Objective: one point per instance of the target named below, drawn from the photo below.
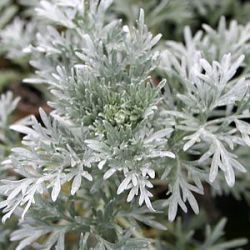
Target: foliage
(85, 175)
(182, 236)
(8, 139)
(214, 92)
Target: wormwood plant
(17, 31)
(84, 176)
(8, 140)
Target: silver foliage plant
(89, 167)
(19, 33)
(208, 78)
(7, 140)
